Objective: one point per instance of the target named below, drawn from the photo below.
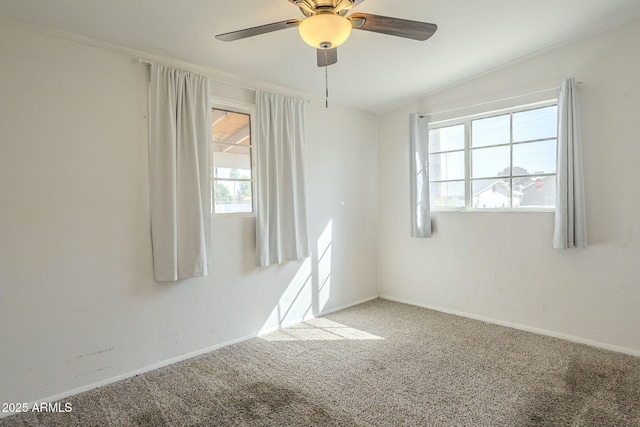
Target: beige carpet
(377, 364)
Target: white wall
(78, 302)
(500, 266)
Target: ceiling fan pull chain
(326, 87)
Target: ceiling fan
(325, 26)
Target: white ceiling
(373, 72)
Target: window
(232, 152)
(501, 161)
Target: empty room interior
(319, 212)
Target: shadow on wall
(310, 289)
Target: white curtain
(570, 219)
(180, 177)
(281, 217)
(419, 169)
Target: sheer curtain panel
(570, 229)
(180, 177)
(281, 217)
(419, 169)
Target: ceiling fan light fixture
(325, 30)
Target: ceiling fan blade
(393, 26)
(254, 31)
(327, 57)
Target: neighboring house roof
(499, 182)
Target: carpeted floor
(377, 364)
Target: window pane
(446, 139)
(490, 193)
(490, 131)
(534, 157)
(447, 194)
(494, 161)
(537, 191)
(228, 164)
(446, 166)
(231, 161)
(535, 124)
(230, 128)
(232, 196)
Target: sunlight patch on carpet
(319, 329)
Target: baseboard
(521, 327)
(344, 307)
(182, 357)
(148, 368)
(313, 316)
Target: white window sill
(232, 215)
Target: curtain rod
(493, 101)
(146, 61)
(222, 82)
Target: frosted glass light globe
(325, 31)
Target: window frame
(468, 149)
(240, 108)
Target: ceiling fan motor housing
(312, 7)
